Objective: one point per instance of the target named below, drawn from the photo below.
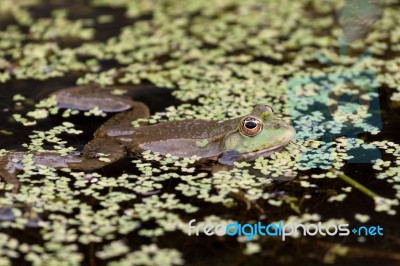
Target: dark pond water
(204, 250)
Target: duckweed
(219, 58)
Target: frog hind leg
(98, 153)
(13, 163)
(88, 97)
(109, 143)
(9, 169)
(121, 124)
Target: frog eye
(251, 126)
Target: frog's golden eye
(251, 126)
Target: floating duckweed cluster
(220, 58)
(60, 28)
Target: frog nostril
(277, 126)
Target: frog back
(184, 138)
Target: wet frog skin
(239, 139)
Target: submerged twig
(355, 184)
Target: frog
(244, 138)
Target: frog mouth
(249, 156)
(270, 150)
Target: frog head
(258, 134)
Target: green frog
(244, 138)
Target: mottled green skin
(117, 138)
(181, 138)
